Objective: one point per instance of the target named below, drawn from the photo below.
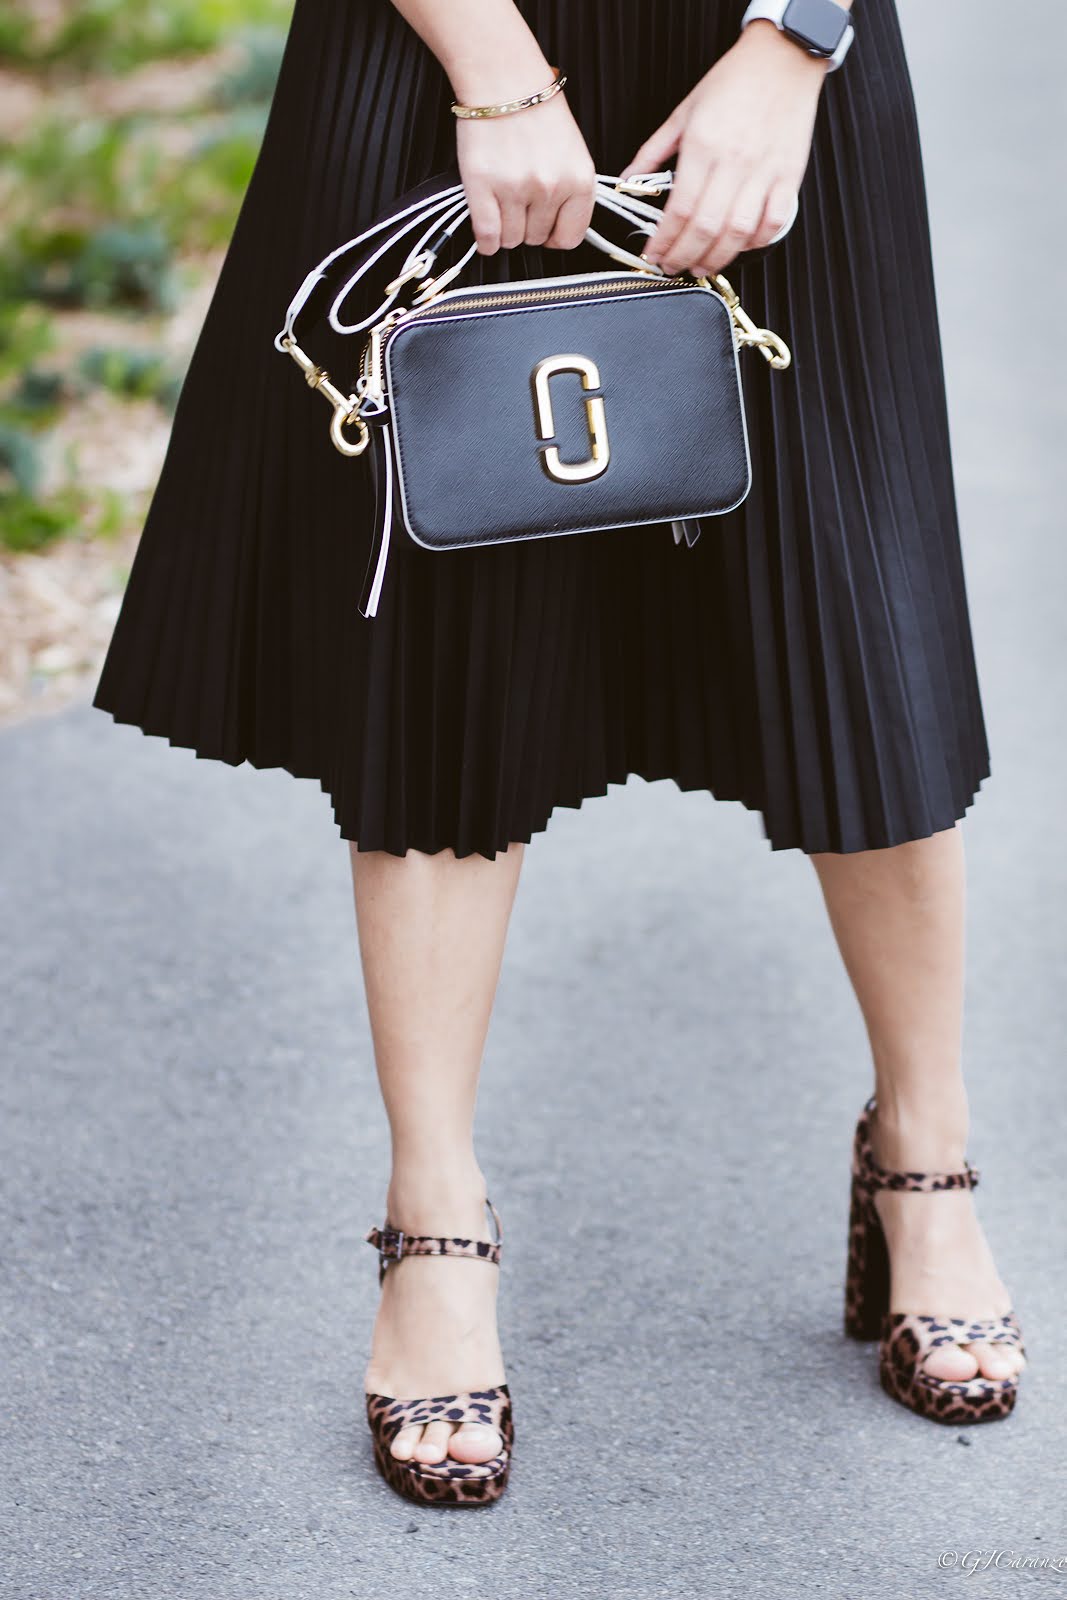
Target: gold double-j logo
(595, 418)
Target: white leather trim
(387, 529)
(449, 206)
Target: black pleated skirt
(810, 655)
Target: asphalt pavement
(192, 1144)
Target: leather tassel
(687, 528)
(381, 470)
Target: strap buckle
(415, 267)
(642, 184)
(390, 1245)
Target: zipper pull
(372, 354)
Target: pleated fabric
(810, 656)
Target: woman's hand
(742, 137)
(528, 176)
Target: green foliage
(37, 396)
(60, 166)
(113, 266)
(106, 213)
(20, 465)
(78, 204)
(252, 81)
(26, 334)
(27, 523)
(200, 206)
(110, 515)
(115, 35)
(157, 198)
(136, 374)
(15, 35)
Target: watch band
(775, 10)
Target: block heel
(867, 1274)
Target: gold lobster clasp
(772, 348)
(345, 407)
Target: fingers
(710, 220)
(512, 218)
(527, 182)
(689, 179)
(737, 209)
(703, 227)
(538, 213)
(558, 214)
(542, 207)
(777, 213)
(658, 147)
(485, 216)
(740, 216)
(572, 219)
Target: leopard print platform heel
(907, 1338)
(447, 1482)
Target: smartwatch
(821, 27)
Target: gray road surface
(193, 1147)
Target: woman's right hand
(528, 176)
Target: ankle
(438, 1200)
(925, 1130)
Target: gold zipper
(346, 407)
(372, 356)
(639, 280)
(374, 349)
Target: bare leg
(898, 917)
(431, 934)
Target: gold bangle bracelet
(507, 106)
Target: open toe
(996, 1360)
(474, 1443)
(404, 1445)
(460, 1444)
(944, 1368)
(432, 1448)
(952, 1362)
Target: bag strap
(435, 216)
(434, 213)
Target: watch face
(818, 24)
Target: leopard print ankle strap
(392, 1243)
(871, 1176)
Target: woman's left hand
(742, 137)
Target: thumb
(657, 148)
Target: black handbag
(534, 408)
